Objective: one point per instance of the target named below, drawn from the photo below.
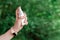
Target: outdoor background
(43, 17)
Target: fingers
(21, 17)
(25, 21)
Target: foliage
(43, 17)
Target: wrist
(17, 28)
(13, 32)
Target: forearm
(7, 36)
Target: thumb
(17, 14)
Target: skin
(17, 26)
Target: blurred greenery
(43, 17)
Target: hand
(18, 24)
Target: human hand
(18, 24)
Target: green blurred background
(43, 17)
